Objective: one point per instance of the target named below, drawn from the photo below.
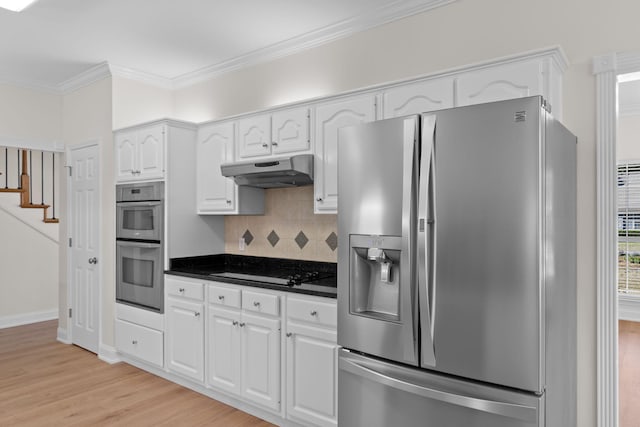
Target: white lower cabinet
(185, 338)
(311, 360)
(244, 346)
(139, 341)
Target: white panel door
(418, 98)
(85, 249)
(291, 131)
(185, 338)
(224, 355)
(261, 360)
(254, 136)
(501, 82)
(151, 152)
(329, 119)
(312, 376)
(126, 156)
(215, 193)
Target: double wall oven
(140, 245)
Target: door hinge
(70, 242)
(70, 312)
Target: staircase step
(33, 206)
(11, 190)
(51, 220)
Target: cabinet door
(254, 136)
(418, 98)
(290, 131)
(151, 152)
(215, 193)
(185, 338)
(312, 377)
(498, 83)
(329, 119)
(261, 360)
(125, 156)
(223, 360)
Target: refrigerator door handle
(426, 240)
(408, 212)
(528, 414)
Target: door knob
(93, 260)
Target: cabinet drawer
(182, 288)
(261, 303)
(222, 295)
(315, 312)
(140, 342)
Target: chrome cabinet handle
(93, 260)
(234, 323)
(228, 202)
(275, 144)
(241, 324)
(134, 342)
(265, 145)
(318, 199)
(221, 297)
(197, 314)
(289, 334)
(181, 290)
(256, 303)
(314, 313)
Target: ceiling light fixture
(15, 5)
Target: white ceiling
(176, 41)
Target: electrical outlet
(241, 244)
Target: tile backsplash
(288, 228)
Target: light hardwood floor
(629, 388)
(46, 383)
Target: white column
(604, 67)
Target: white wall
(87, 116)
(135, 102)
(462, 33)
(31, 116)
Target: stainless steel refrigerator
(457, 269)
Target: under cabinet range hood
(292, 171)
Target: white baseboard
(63, 337)
(27, 318)
(629, 308)
(108, 354)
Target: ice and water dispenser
(375, 272)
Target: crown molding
(92, 75)
(383, 15)
(141, 76)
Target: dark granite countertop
(220, 267)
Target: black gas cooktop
(294, 275)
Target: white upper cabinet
(140, 153)
(285, 131)
(254, 136)
(291, 131)
(216, 194)
(506, 81)
(329, 119)
(418, 98)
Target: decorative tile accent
(332, 241)
(248, 237)
(301, 239)
(273, 238)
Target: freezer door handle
(426, 240)
(528, 414)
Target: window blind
(629, 228)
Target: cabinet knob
(221, 297)
(197, 314)
(181, 290)
(275, 144)
(318, 199)
(265, 145)
(289, 334)
(256, 303)
(314, 313)
(134, 342)
(241, 324)
(234, 323)
(228, 202)
(93, 260)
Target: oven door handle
(130, 244)
(147, 203)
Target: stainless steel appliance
(139, 245)
(291, 171)
(456, 269)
